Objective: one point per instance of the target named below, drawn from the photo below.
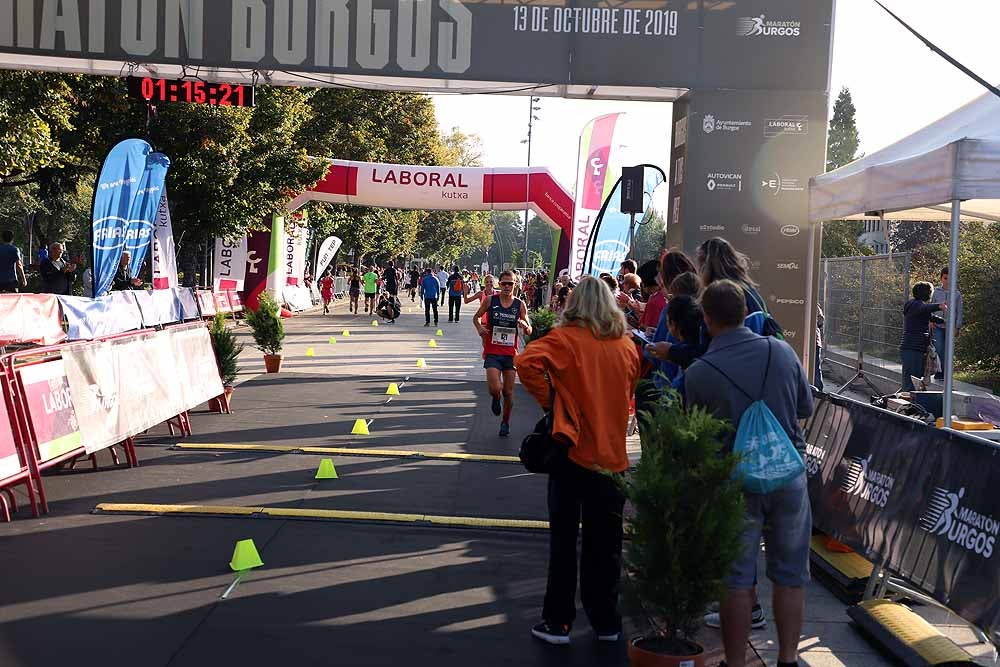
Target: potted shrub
(227, 352)
(542, 321)
(268, 331)
(686, 527)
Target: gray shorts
(784, 518)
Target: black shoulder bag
(540, 452)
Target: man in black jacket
(58, 275)
(124, 280)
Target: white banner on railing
(121, 388)
(108, 315)
(164, 252)
(297, 297)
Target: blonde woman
(592, 367)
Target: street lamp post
(531, 124)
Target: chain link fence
(862, 300)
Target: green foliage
(688, 516)
(265, 322)
(840, 239)
(542, 321)
(651, 238)
(227, 349)
(978, 345)
(843, 140)
(34, 109)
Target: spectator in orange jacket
(593, 369)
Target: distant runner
(355, 291)
(413, 283)
(371, 289)
(504, 315)
(326, 290)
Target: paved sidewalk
(144, 588)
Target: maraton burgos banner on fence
(598, 169)
(164, 252)
(114, 196)
(918, 498)
(142, 214)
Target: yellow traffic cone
(326, 470)
(421, 363)
(374, 323)
(393, 389)
(432, 343)
(310, 352)
(346, 333)
(332, 340)
(439, 333)
(245, 556)
(360, 427)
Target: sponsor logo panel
(948, 517)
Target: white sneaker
(757, 619)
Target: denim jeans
(913, 365)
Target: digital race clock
(190, 91)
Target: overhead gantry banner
(650, 49)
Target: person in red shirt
(326, 290)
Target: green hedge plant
(265, 322)
(227, 349)
(687, 521)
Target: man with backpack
(456, 291)
(744, 375)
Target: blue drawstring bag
(768, 459)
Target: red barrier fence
(67, 402)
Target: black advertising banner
(743, 176)
(915, 497)
(742, 44)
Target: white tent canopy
(956, 157)
(952, 165)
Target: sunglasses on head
(506, 283)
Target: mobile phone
(640, 337)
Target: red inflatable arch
(449, 189)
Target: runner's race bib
(505, 336)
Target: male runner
(371, 289)
(505, 314)
(414, 281)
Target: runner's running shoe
(504, 429)
(495, 406)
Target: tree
(909, 236)
(978, 346)
(35, 109)
(651, 238)
(843, 140)
(447, 235)
(840, 239)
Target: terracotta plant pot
(272, 363)
(656, 652)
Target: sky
(898, 86)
